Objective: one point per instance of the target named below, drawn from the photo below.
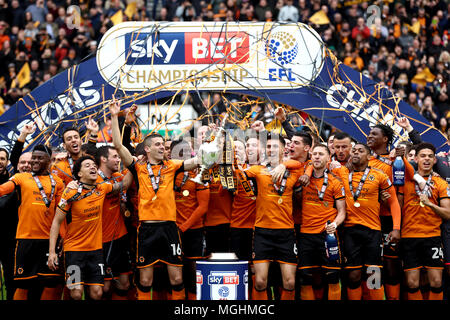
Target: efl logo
(186, 48)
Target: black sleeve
(415, 137)
(16, 152)
(288, 128)
(132, 169)
(126, 140)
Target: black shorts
(31, 260)
(159, 241)
(445, 235)
(274, 245)
(217, 238)
(192, 241)
(421, 252)
(390, 250)
(312, 253)
(117, 258)
(84, 267)
(241, 242)
(362, 247)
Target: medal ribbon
(155, 181)
(360, 185)
(382, 159)
(185, 178)
(47, 201)
(280, 190)
(78, 196)
(321, 193)
(426, 190)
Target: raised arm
(16, 151)
(124, 153)
(7, 188)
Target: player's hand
(280, 114)
(330, 228)
(92, 126)
(28, 128)
(398, 151)
(52, 261)
(304, 180)
(394, 236)
(131, 116)
(404, 123)
(258, 126)
(114, 107)
(334, 165)
(277, 173)
(384, 196)
(425, 200)
(72, 185)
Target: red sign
(216, 47)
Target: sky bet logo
(186, 48)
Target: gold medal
(422, 204)
(154, 198)
(185, 193)
(127, 213)
(253, 198)
(280, 201)
(357, 204)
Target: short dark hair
(103, 151)
(5, 151)
(89, 149)
(306, 137)
(152, 136)
(69, 129)
(276, 136)
(364, 145)
(342, 136)
(387, 132)
(43, 148)
(77, 166)
(425, 145)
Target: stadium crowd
(131, 220)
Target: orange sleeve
(409, 170)
(293, 164)
(395, 209)
(199, 212)
(309, 169)
(7, 188)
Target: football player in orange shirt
(83, 208)
(362, 227)
(114, 231)
(323, 199)
(423, 211)
(192, 203)
(274, 235)
(158, 236)
(379, 138)
(39, 191)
